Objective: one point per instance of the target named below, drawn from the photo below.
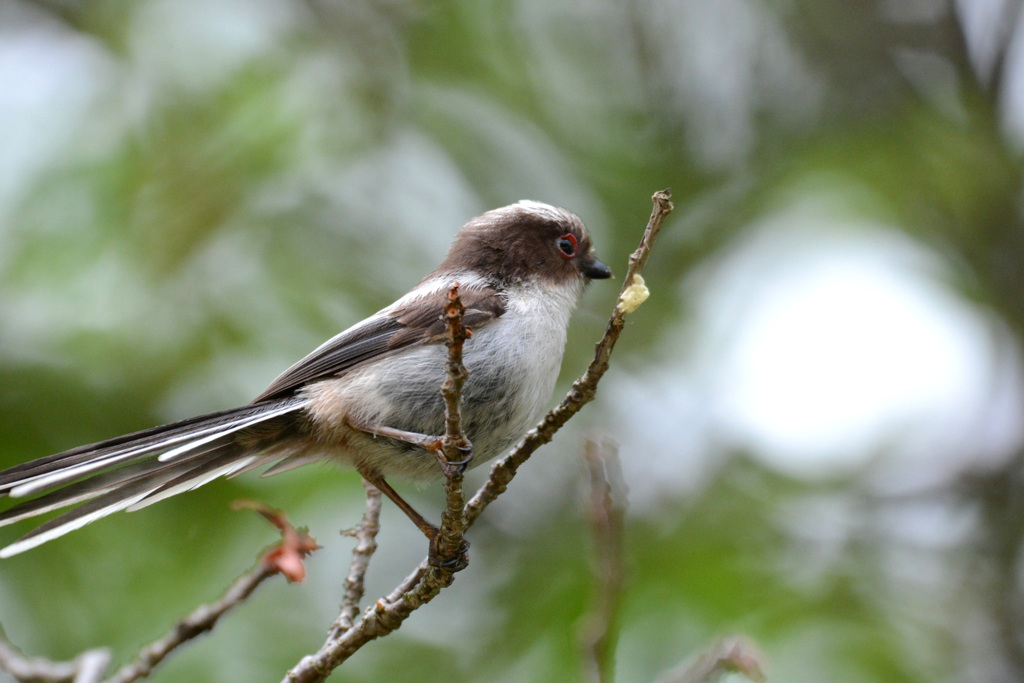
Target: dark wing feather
(353, 346)
(419, 322)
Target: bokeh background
(819, 410)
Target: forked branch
(426, 581)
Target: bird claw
(453, 564)
(450, 468)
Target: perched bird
(369, 398)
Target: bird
(368, 398)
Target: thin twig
(92, 665)
(429, 578)
(284, 558)
(408, 583)
(198, 622)
(88, 667)
(455, 376)
(366, 545)
(427, 581)
(583, 389)
(732, 654)
(457, 450)
(607, 513)
(384, 617)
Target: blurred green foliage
(194, 195)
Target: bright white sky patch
(838, 352)
(824, 349)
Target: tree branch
(430, 577)
(88, 667)
(426, 581)
(284, 557)
(607, 513)
(456, 448)
(366, 545)
(195, 624)
(585, 388)
(91, 666)
(732, 654)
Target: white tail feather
(21, 488)
(185, 448)
(41, 482)
(191, 484)
(56, 505)
(68, 527)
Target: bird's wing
(405, 324)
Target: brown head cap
(525, 241)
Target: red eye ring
(567, 245)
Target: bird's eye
(567, 245)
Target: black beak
(594, 269)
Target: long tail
(135, 470)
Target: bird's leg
(432, 533)
(431, 444)
(428, 529)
